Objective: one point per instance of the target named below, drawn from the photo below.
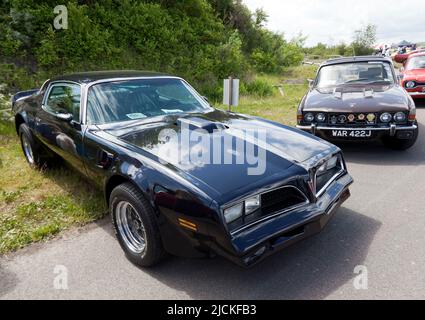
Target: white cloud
(333, 21)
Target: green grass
(278, 107)
(36, 205)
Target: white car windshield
(354, 73)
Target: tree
(364, 39)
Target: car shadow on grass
(312, 269)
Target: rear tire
(400, 144)
(34, 153)
(136, 226)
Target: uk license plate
(361, 134)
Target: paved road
(380, 227)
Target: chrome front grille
(336, 119)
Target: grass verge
(36, 205)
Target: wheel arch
(113, 182)
(19, 119)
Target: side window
(64, 98)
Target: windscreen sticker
(136, 115)
(172, 110)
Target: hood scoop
(368, 93)
(337, 94)
(203, 124)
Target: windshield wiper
(356, 80)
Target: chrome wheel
(27, 149)
(130, 227)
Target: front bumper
(391, 130)
(416, 94)
(255, 244)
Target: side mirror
(64, 116)
(310, 83)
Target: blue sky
(333, 21)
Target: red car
(414, 75)
(402, 57)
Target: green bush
(204, 41)
(259, 88)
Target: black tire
(32, 150)
(401, 144)
(153, 251)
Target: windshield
(416, 63)
(357, 72)
(139, 99)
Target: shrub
(260, 88)
(201, 40)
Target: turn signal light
(412, 117)
(188, 225)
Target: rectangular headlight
(233, 213)
(252, 204)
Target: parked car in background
(413, 75)
(402, 57)
(110, 126)
(359, 98)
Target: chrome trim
(26, 145)
(313, 129)
(412, 127)
(393, 129)
(270, 216)
(134, 239)
(416, 93)
(331, 180)
(57, 83)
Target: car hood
(357, 99)
(414, 75)
(287, 150)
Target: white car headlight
(386, 117)
(233, 213)
(410, 84)
(400, 117)
(309, 117)
(252, 204)
(321, 117)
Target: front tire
(135, 226)
(401, 144)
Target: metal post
(231, 93)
